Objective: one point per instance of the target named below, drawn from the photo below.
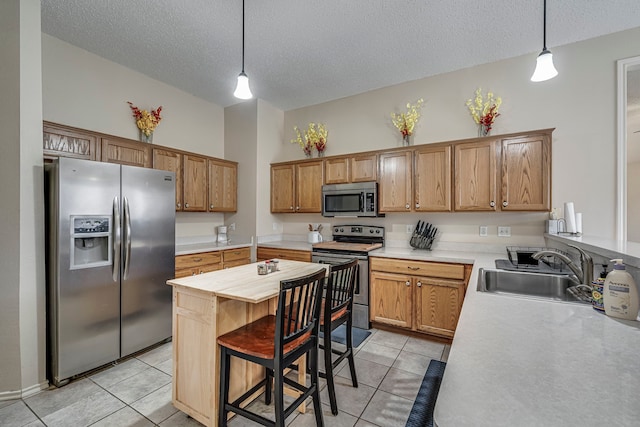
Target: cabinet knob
(505, 204)
(492, 204)
(178, 204)
(413, 268)
(408, 283)
(186, 205)
(406, 206)
(291, 207)
(210, 206)
(417, 205)
(419, 284)
(297, 208)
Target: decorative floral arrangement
(406, 122)
(314, 137)
(145, 120)
(484, 112)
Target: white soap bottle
(620, 294)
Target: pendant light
(242, 89)
(544, 64)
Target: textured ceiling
(303, 52)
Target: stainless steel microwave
(356, 199)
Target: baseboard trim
(24, 393)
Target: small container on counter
(275, 265)
(263, 269)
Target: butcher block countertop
(243, 283)
(342, 246)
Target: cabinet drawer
(418, 268)
(197, 260)
(237, 262)
(236, 254)
(291, 254)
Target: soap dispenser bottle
(620, 294)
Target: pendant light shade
(242, 89)
(544, 64)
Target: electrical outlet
(504, 231)
(409, 228)
(484, 231)
(232, 227)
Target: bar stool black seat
(337, 310)
(276, 342)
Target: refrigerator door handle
(117, 239)
(127, 236)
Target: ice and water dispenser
(90, 241)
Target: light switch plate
(484, 231)
(504, 231)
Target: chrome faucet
(583, 274)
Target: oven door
(361, 293)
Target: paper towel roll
(570, 217)
(579, 222)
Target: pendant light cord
(243, 35)
(544, 29)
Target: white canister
(314, 237)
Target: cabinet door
(195, 183)
(438, 303)
(395, 182)
(336, 170)
(432, 179)
(526, 174)
(126, 152)
(364, 168)
(282, 189)
(309, 177)
(168, 160)
(475, 176)
(223, 186)
(61, 142)
(391, 299)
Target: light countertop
(287, 244)
(243, 283)
(194, 248)
(523, 362)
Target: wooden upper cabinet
(63, 142)
(282, 189)
(169, 160)
(309, 177)
(432, 179)
(336, 170)
(126, 152)
(394, 183)
(475, 175)
(526, 173)
(195, 183)
(357, 168)
(223, 186)
(364, 168)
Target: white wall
(633, 201)
(89, 92)
(579, 103)
(22, 326)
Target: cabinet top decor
(405, 122)
(145, 120)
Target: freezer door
(148, 246)
(83, 297)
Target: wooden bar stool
(337, 310)
(276, 342)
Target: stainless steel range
(353, 241)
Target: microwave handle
(362, 202)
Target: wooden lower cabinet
(291, 254)
(418, 296)
(204, 262)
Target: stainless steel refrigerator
(110, 250)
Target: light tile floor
(137, 392)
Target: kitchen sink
(551, 287)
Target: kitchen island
(209, 305)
